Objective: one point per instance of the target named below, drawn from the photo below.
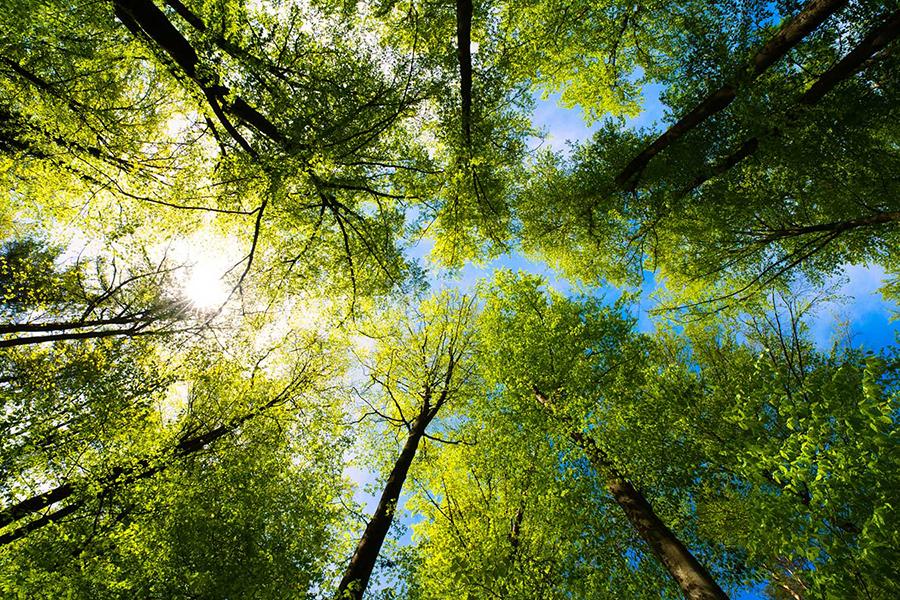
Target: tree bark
(876, 41)
(837, 227)
(694, 580)
(185, 13)
(464, 54)
(79, 335)
(812, 15)
(143, 17)
(35, 503)
(6, 329)
(53, 517)
(359, 571)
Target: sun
(205, 289)
(203, 262)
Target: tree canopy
(237, 359)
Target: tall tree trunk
(855, 60)
(130, 319)
(53, 517)
(133, 331)
(356, 577)
(791, 34)
(464, 54)
(694, 580)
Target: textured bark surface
(694, 580)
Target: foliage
(218, 346)
(793, 198)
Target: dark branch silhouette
(791, 33)
(123, 476)
(855, 60)
(464, 54)
(146, 21)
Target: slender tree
(43, 303)
(782, 212)
(790, 34)
(509, 512)
(123, 476)
(421, 366)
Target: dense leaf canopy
(236, 360)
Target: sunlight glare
(205, 260)
(205, 288)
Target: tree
(318, 189)
(742, 416)
(141, 508)
(561, 362)
(421, 366)
(510, 512)
(42, 303)
(782, 212)
(791, 33)
(160, 439)
(800, 439)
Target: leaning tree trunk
(356, 577)
(694, 580)
(854, 61)
(145, 20)
(791, 33)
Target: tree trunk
(692, 577)
(876, 41)
(8, 538)
(356, 577)
(855, 60)
(144, 19)
(6, 329)
(694, 580)
(791, 34)
(35, 504)
(464, 54)
(61, 337)
(119, 476)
